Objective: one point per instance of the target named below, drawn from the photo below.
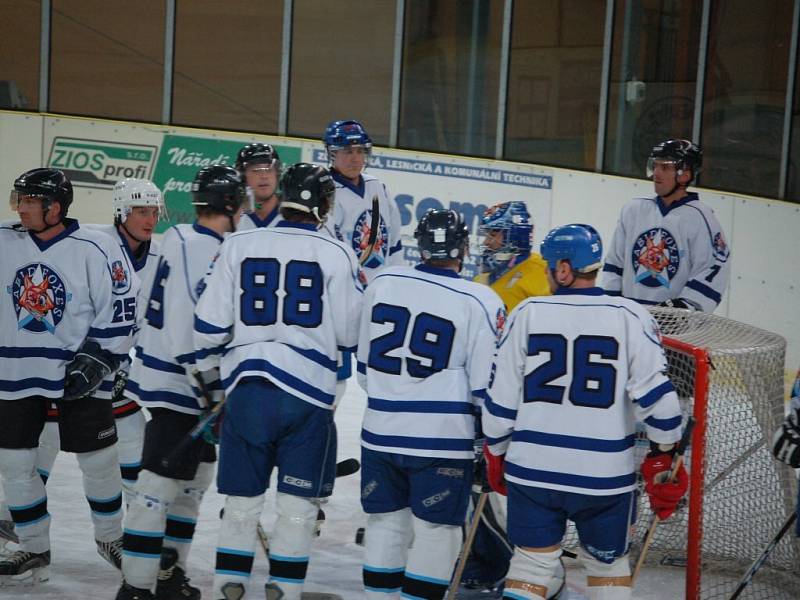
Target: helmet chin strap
(44, 219)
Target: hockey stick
(465, 550)
(206, 420)
(375, 225)
(759, 562)
(677, 461)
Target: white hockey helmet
(129, 193)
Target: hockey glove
(495, 470)
(664, 495)
(786, 443)
(87, 370)
(678, 303)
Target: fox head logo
(655, 258)
(39, 298)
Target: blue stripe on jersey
(482, 394)
(573, 442)
(151, 362)
(347, 348)
(570, 479)
(31, 383)
(613, 292)
(609, 268)
(185, 358)
(664, 424)
(493, 441)
(705, 290)
(401, 441)
(499, 411)
(361, 367)
(396, 248)
(161, 396)
(255, 364)
(203, 327)
(315, 355)
(106, 385)
(53, 353)
(489, 318)
(421, 406)
(109, 332)
(201, 354)
(655, 394)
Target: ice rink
(78, 573)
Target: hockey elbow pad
(87, 370)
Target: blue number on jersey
(303, 287)
(431, 339)
(155, 305)
(124, 310)
(593, 383)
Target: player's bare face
(31, 213)
(350, 161)
(262, 180)
(141, 222)
(664, 174)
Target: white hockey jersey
(573, 374)
(56, 294)
(425, 352)
(352, 219)
(279, 304)
(250, 220)
(661, 253)
(164, 351)
(144, 268)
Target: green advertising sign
(179, 160)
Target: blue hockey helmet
(442, 234)
(577, 243)
(340, 134)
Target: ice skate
(24, 567)
(111, 552)
(128, 592)
(172, 581)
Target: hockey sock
(26, 498)
(431, 559)
(49, 445)
(290, 543)
(606, 581)
(144, 529)
(182, 514)
(130, 439)
(237, 541)
(103, 488)
(534, 575)
(386, 540)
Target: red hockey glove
(664, 496)
(495, 468)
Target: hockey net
(730, 376)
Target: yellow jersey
(524, 280)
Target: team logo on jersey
(655, 258)
(119, 276)
(720, 247)
(361, 240)
(39, 298)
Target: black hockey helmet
(51, 185)
(220, 188)
(308, 188)
(257, 154)
(685, 155)
(442, 234)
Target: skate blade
(32, 577)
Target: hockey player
(279, 302)
(669, 250)
(786, 443)
(572, 374)
(137, 206)
(425, 351)
(60, 337)
(515, 273)
(161, 517)
(260, 168)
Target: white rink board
(765, 279)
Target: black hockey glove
(786, 442)
(87, 370)
(678, 303)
